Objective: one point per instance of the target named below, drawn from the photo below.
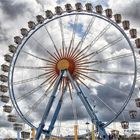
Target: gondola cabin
(3, 88)
(125, 124)
(40, 19)
(68, 8)
(8, 58)
(12, 118)
(5, 99)
(17, 40)
(133, 114)
(17, 127)
(3, 78)
(118, 18)
(126, 24)
(79, 7)
(12, 48)
(58, 10)
(49, 14)
(25, 135)
(133, 33)
(7, 108)
(24, 32)
(99, 9)
(108, 13)
(4, 68)
(137, 42)
(89, 7)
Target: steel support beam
(88, 107)
(49, 105)
(51, 127)
(18, 134)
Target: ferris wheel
(69, 64)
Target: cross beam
(88, 107)
(83, 98)
(49, 105)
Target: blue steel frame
(47, 110)
(84, 100)
(25, 39)
(18, 134)
(88, 107)
(48, 133)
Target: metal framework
(80, 93)
(58, 81)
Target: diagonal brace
(94, 119)
(49, 105)
(51, 127)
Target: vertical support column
(49, 105)
(88, 107)
(57, 110)
(18, 134)
(33, 134)
(75, 132)
(93, 133)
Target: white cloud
(11, 27)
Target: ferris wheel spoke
(35, 105)
(80, 43)
(105, 72)
(58, 55)
(74, 110)
(29, 93)
(53, 57)
(46, 50)
(30, 54)
(107, 106)
(83, 75)
(114, 58)
(81, 54)
(107, 59)
(57, 111)
(66, 50)
(73, 36)
(50, 78)
(30, 79)
(38, 102)
(94, 53)
(138, 70)
(37, 88)
(40, 45)
(44, 68)
(62, 36)
(61, 54)
(70, 90)
(138, 79)
(32, 68)
(138, 66)
(80, 81)
(108, 46)
(98, 36)
(102, 84)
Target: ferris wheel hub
(65, 63)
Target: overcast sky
(14, 14)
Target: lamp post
(88, 134)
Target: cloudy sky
(15, 14)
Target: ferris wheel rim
(19, 48)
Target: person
(110, 137)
